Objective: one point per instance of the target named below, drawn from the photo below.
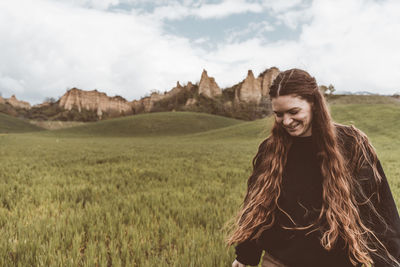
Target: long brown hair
(342, 195)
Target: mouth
(292, 127)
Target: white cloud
(352, 44)
(53, 46)
(11, 86)
(96, 4)
(226, 8)
(294, 18)
(355, 43)
(49, 46)
(281, 5)
(178, 11)
(256, 29)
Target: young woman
(317, 195)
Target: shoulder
(355, 145)
(263, 150)
(350, 137)
(348, 132)
(265, 145)
(358, 151)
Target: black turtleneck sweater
(301, 199)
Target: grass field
(9, 124)
(143, 191)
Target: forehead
(287, 102)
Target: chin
(297, 133)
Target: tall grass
(9, 124)
(85, 200)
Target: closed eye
(278, 114)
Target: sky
(134, 47)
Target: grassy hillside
(9, 124)
(151, 124)
(253, 130)
(362, 99)
(54, 125)
(158, 199)
(377, 120)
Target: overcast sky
(131, 47)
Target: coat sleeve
(248, 252)
(388, 234)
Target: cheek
(305, 117)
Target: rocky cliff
(268, 76)
(95, 101)
(253, 89)
(208, 87)
(150, 103)
(250, 89)
(13, 101)
(246, 100)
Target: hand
(237, 264)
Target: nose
(287, 120)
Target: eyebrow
(292, 109)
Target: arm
(386, 207)
(248, 252)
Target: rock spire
(208, 87)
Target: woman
(317, 195)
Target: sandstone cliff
(2, 101)
(95, 101)
(208, 87)
(253, 89)
(246, 100)
(147, 104)
(176, 90)
(249, 92)
(268, 76)
(13, 101)
(250, 89)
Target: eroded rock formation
(95, 101)
(176, 90)
(190, 102)
(268, 76)
(146, 104)
(13, 101)
(208, 87)
(247, 97)
(250, 89)
(253, 89)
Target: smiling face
(294, 114)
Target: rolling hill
(9, 124)
(369, 113)
(379, 119)
(151, 124)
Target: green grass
(151, 124)
(157, 195)
(382, 125)
(362, 99)
(9, 124)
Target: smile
(292, 127)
